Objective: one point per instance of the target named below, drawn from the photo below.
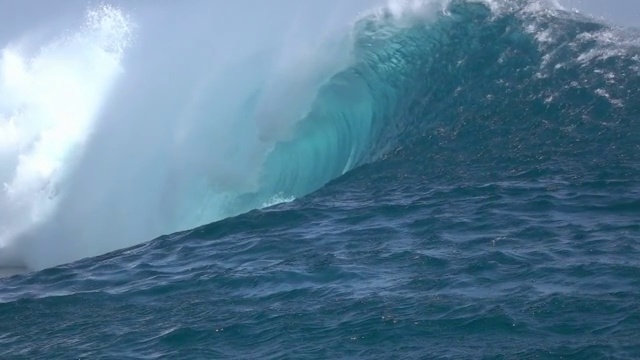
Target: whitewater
(300, 179)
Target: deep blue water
(490, 210)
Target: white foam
(49, 100)
(278, 199)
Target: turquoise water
(467, 187)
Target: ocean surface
(453, 180)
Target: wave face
(441, 179)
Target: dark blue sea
(465, 185)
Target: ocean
(437, 180)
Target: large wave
(247, 128)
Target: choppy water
(468, 186)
